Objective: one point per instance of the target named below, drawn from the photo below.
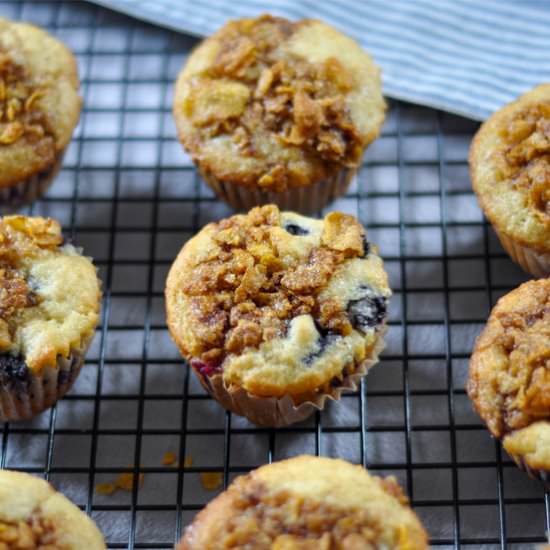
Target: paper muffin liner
(30, 189)
(307, 199)
(276, 412)
(531, 260)
(43, 390)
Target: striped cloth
(464, 56)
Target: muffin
(273, 111)
(34, 516)
(307, 503)
(39, 109)
(49, 304)
(509, 381)
(276, 312)
(510, 171)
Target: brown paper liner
(534, 262)
(27, 191)
(307, 199)
(44, 389)
(276, 412)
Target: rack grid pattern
(130, 196)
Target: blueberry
(368, 311)
(366, 246)
(14, 372)
(294, 229)
(326, 339)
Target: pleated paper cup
(533, 261)
(307, 199)
(282, 411)
(21, 400)
(30, 189)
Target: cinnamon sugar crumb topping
(36, 533)
(20, 115)
(253, 89)
(244, 293)
(281, 520)
(527, 156)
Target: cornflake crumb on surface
(169, 458)
(188, 462)
(124, 482)
(211, 480)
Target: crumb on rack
(169, 458)
(211, 480)
(188, 462)
(124, 482)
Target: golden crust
(508, 379)
(269, 103)
(510, 169)
(36, 515)
(279, 303)
(307, 503)
(49, 293)
(40, 76)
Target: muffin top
(39, 103)
(307, 503)
(273, 103)
(277, 302)
(510, 169)
(509, 380)
(33, 516)
(49, 294)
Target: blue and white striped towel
(464, 56)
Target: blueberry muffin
(275, 312)
(308, 503)
(49, 304)
(39, 109)
(509, 380)
(33, 516)
(273, 111)
(510, 171)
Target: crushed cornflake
(123, 482)
(211, 480)
(35, 533)
(526, 158)
(169, 458)
(244, 294)
(253, 89)
(188, 462)
(20, 113)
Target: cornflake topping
(253, 89)
(19, 237)
(36, 533)
(527, 156)
(244, 294)
(19, 105)
(282, 520)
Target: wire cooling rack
(130, 197)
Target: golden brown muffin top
(39, 103)
(509, 379)
(307, 503)
(510, 165)
(244, 285)
(49, 293)
(283, 97)
(35, 517)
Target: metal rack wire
(130, 196)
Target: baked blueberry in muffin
(49, 304)
(308, 503)
(276, 312)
